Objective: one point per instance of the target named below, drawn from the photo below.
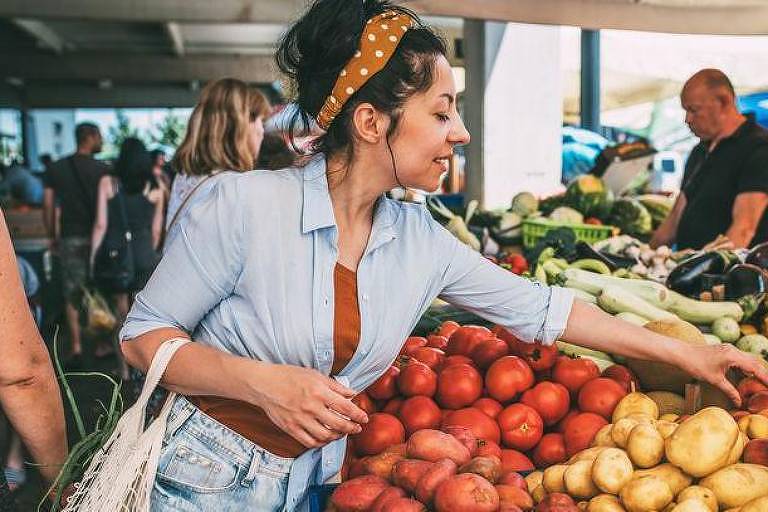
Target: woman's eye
(443, 117)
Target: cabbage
(566, 215)
(524, 204)
(589, 195)
(631, 217)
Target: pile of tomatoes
(523, 402)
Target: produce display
(473, 419)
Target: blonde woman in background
(225, 131)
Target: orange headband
(378, 43)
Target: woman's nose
(459, 136)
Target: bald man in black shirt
(725, 186)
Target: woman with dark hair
(284, 279)
(130, 200)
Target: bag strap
(83, 188)
(157, 369)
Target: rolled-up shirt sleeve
(199, 268)
(529, 310)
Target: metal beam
(177, 39)
(82, 96)
(133, 68)
(590, 80)
(44, 35)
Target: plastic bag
(99, 315)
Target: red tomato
(489, 406)
(549, 399)
(431, 357)
(601, 396)
(511, 340)
(479, 423)
(623, 376)
(594, 221)
(539, 357)
(514, 479)
(417, 379)
(364, 402)
(436, 341)
(487, 448)
(419, 412)
(521, 427)
(550, 450)
(574, 373)
(488, 351)
(513, 460)
(412, 343)
(386, 386)
(382, 431)
(451, 360)
(562, 425)
(447, 328)
(507, 377)
(465, 339)
(393, 406)
(458, 385)
(581, 431)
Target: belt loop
(187, 410)
(253, 467)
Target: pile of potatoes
(642, 462)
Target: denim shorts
(205, 466)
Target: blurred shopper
(275, 153)
(159, 163)
(29, 393)
(225, 132)
(71, 184)
(725, 185)
(23, 186)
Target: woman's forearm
(590, 327)
(34, 408)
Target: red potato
(489, 406)
(508, 507)
(466, 493)
(737, 415)
(481, 425)
(623, 376)
(550, 450)
(385, 386)
(464, 435)
(514, 479)
(433, 445)
(550, 399)
(357, 468)
(441, 471)
(432, 357)
(458, 385)
(437, 341)
(601, 396)
(513, 460)
(488, 351)
(358, 494)
(419, 412)
(417, 379)
(413, 343)
(748, 386)
(487, 448)
(404, 505)
(581, 431)
(407, 473)
(465, 339)
(385, 497)
(487, 467)
(756, 452)
(382, 464)
(382, 431)
(512, 495)
(758, 402)
(557, 502)
(507, 377)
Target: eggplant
(687, 277)
(758, 256)
(614, 261)
(745, 279)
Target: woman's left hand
(711, 363)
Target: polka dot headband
(378, 43)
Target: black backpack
(114, 265)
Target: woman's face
(255, 136)
(429, 128)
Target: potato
(487, 467)
(582, 506)
(646, 494)
(603, 437)
(427, 485)
(358, 494)
(702, 493)
(737, 484)
(756, 505)
(666, 428)
(382, 464)
(539, 494)
(620, 431)
(578, 480)
(691, 505)
(738, 448)
(511, 495)
(433, 445)
(554, 478)
(534, 480)
(605, 503)
(635, 403)
(466, 492)
(589, 454)
(612, 470)
(702, 443)
(755, 426)
(385, 497)
(408, 472)
(670, 507)
(669, 417)
(675, 478)
(403, 505)
(645, 446)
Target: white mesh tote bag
(120, 476)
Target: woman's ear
(370, 124)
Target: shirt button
(365, 297)
(325, 301)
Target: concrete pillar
(513, 106)
(590, 80)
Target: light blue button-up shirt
(249, 270)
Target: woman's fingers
(320, 433)
(340, 388)
(337, 423)
(730, 391)
(346, 408)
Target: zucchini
(572, 350)
(700, 312)
(712, 339)
(592, 265)
(726, 329)
(619, 300)
(540, 275)
(655, 293)
(585, 296)
(552, 270)
(632, 318)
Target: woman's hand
(711, 363)
(309, 406)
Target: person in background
(159, 162)
(24, 187)
(29, 392)
(224, 132)
(71, 184)
(275, 153)
(725, 184)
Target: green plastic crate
(535, 229)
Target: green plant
(169, 131)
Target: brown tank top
(252, 422)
